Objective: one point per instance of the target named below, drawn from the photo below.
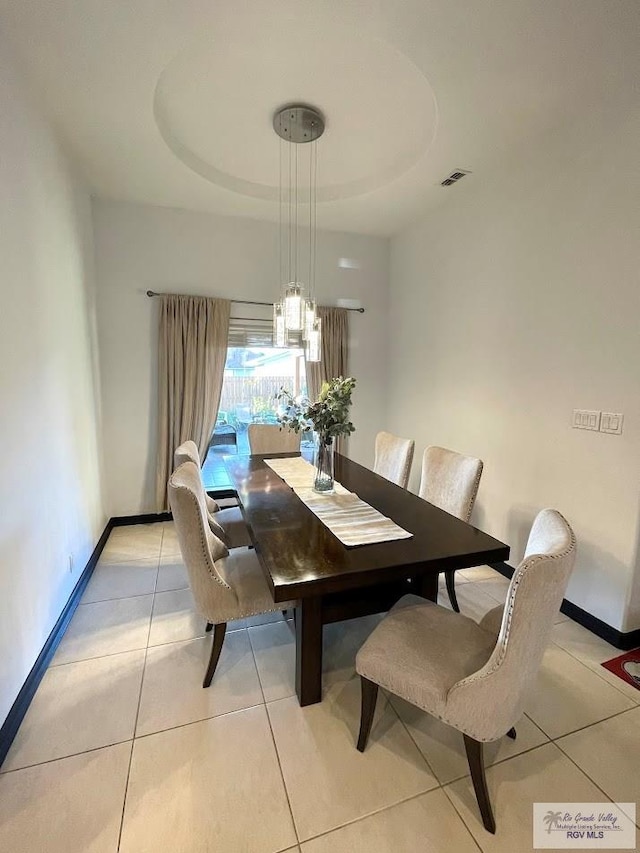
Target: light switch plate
(586, 419)
(611, 422)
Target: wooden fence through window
(245, 398)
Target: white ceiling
(171, 102)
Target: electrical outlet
(586, 419)
(70, 563)
(611, 422)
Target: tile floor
(123, 750)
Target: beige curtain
(335, 339)
(192, 350)
(335, 347)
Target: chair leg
(512, 733)
(285, 613)
(369, 692)
(209, 627)
(476, 766)
(216, 647)
(450, 580)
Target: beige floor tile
(174, 618)
(478, 573)
(328, 781)
(172, 574)
(79, 706)
(569, 696)
(496, 587)
(628, 690)
(172, 692)
(461, 576)
(106, 628)
(133, 542)
(73, 805)
(428, 824)
(341, 642)
(560, 617)
(274, 649)
(609, 753)
(472, 600)
(212, 785)
(583, 644)
(121, 580)
(543, 775)
(592, 651)
(443, 747)
(170, 548)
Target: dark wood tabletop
(303, 558)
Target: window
(254, 373)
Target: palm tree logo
(552, 819)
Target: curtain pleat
(192, 351)
(334, 355)
(335, 341)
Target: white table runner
(350, 519)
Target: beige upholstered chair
(270, 438)
(228, 523)
(450, 481)
(454, 669)
(226, 585)
(393, 458)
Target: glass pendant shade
(314, 342)
(279, 331)
(294, 340)
(294, 308)
(298, 126)
(309, 318)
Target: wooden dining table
(304, 561)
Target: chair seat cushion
(492, 620)
(234, 526)
(244, 574)
(420, 650)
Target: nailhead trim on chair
(203, 543)
(533, 561)
(474, 494)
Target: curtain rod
(247, 301)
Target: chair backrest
(271, 438)
(450, 480)
(186, 452)
(489, 702)
(393, 458)
(200, 548)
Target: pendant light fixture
(295, 320)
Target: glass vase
(323, 461)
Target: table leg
(427, 586)
(309, 650)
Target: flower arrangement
(328, 416)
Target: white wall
(141, 247)
(514, 303)
(50, 501)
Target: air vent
(454, 176)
